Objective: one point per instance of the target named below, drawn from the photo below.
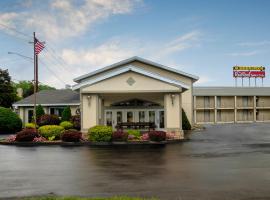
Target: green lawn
(79, 198)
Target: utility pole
(35, 79)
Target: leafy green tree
(39, 111)
(28, 87)
(7, 92)
(66, 114)
(185, 123)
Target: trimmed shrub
(39, 111)
(51, 132)
(71, 136)
(9, 121)
(66, 114)
(157, 136)
(136, 133)
(119, 135)
(29, 125)
(76, 121)
(26, 135)
(100, 134)
(66, 125)
(185, 123)
(48, 120)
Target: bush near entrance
(135, 133)
(51, 132)
(66, 125)
(9, 121)
(71, 136)
(120, 135)
(48, 120)
(100, 133)
(27, 135)
(76, 121)
(185, 123)
(40, 111)
(29, 125)
(66, 114)
(157, 136)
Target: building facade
(139, 90)
(231, 104)
(136, 90)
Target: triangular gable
(134, 69)
(132, 59)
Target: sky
(205, 38)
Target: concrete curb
(60, 143)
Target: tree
(28, 87)
(7, 92)
(185, 123)
(39, 111)
(66, 114)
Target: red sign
(249, 74)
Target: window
(206, 102)
(141, 116)
(161, 119)
(129, 116)
(30, 115)
(119, 117)
(218, 102)
(56, 111)
(152, 116)
(109, 118)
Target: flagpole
(35, 82)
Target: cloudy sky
(205, 38)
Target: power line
(47, 67)
(15, 30)
(57, 60)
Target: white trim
(134, 69)
(132, 59)
(48, 104)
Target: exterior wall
(225, 102)
(225, 116)
(232, 109)
(120, 84)
(205, 102)
(263, 115)
(245, 101)
(205, 116)
(23, 111)
(262, 101)
(245, 115)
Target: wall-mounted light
(89, 100)
(172, 98)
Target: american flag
(39, 46)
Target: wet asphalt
(221, 162)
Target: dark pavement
(222, 162)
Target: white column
(195, 110)
(90, 112)
(173, 114)
(215, 109)
(254, 109)
(235, 109)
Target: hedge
(10, 122)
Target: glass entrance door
(113, 117)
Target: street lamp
(18, 54)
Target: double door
(112, 117)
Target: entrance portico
(132, 92)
